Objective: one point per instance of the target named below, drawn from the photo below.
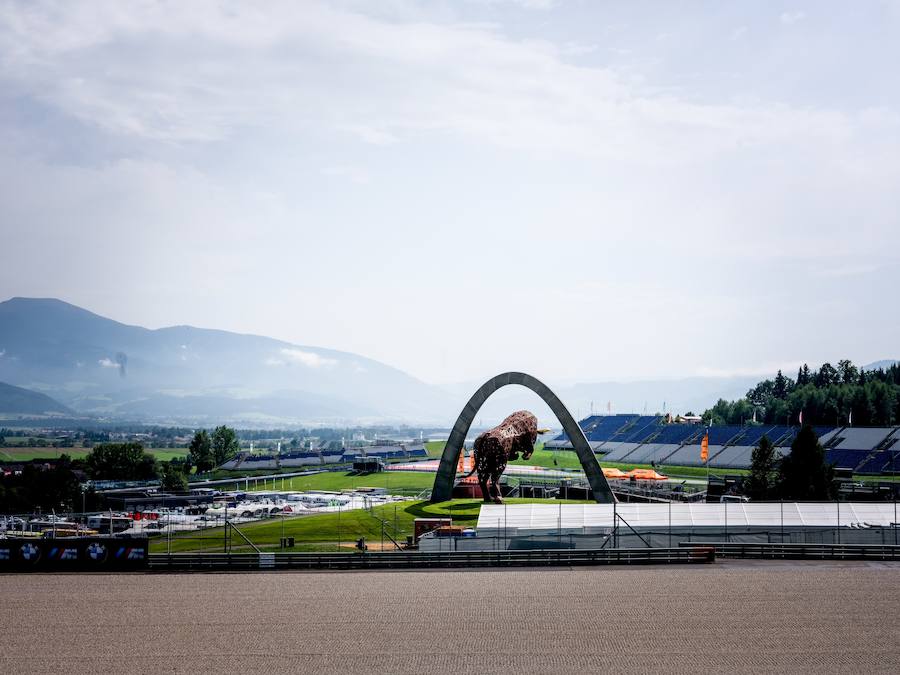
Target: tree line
(831, 395)
(60, 487)
(802, 474)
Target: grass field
(322, 532)
(398, 482)
(26, 454)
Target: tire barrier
(84, 554)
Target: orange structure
(646, 474)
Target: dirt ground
(732, 616)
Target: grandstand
(325, 455)
(641, 439)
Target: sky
(582, 190)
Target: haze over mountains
(102, 368)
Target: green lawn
(26, 454)
(323, 531)
(408, 483)
(435, 448)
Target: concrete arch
(446, 474)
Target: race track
(747, 617)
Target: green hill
(19, 401)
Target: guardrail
(778, 551)
(183, 562)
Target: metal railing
(176, 562)
(778, 551)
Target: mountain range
(95, 366)
(24, 402)
(101, 367)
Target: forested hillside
(827, 396)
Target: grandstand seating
(677, 433)
(609, 426)
(884, 461)
(753, 435)
(619, 452)
(599, 428)
(732, 457)
(689, 455)
(721, 435)
(791, 433)
(641, 431)
(652, 452)
(862, 438)
(846, 459)
(641, 439)
(827, 437)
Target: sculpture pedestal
(465, 490)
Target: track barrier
(83, 554)
(164, 562)
(777, 551)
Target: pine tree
(201, 451)
(225, 444)
(763, 479)
(803, 474)
(780, 390)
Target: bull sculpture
(494, 448)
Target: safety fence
(183, 562)
(778, 551)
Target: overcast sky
(578, 189)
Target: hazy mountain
(19, 401)
(678, 395)
(100, 366)
(884, 363)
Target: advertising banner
(73, 554)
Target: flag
(800, 418)
(850, 419)
(754, 416)
(704, 446)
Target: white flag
(800, 418)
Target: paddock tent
(524, 519)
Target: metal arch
(446, 474)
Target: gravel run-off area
(729, 616)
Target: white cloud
(220, 69)
(304, 358)
(789, 18)
(203, 151)
(108, 363)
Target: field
(324, 532)
(409, 483)
(26, 454)
(725, 617)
